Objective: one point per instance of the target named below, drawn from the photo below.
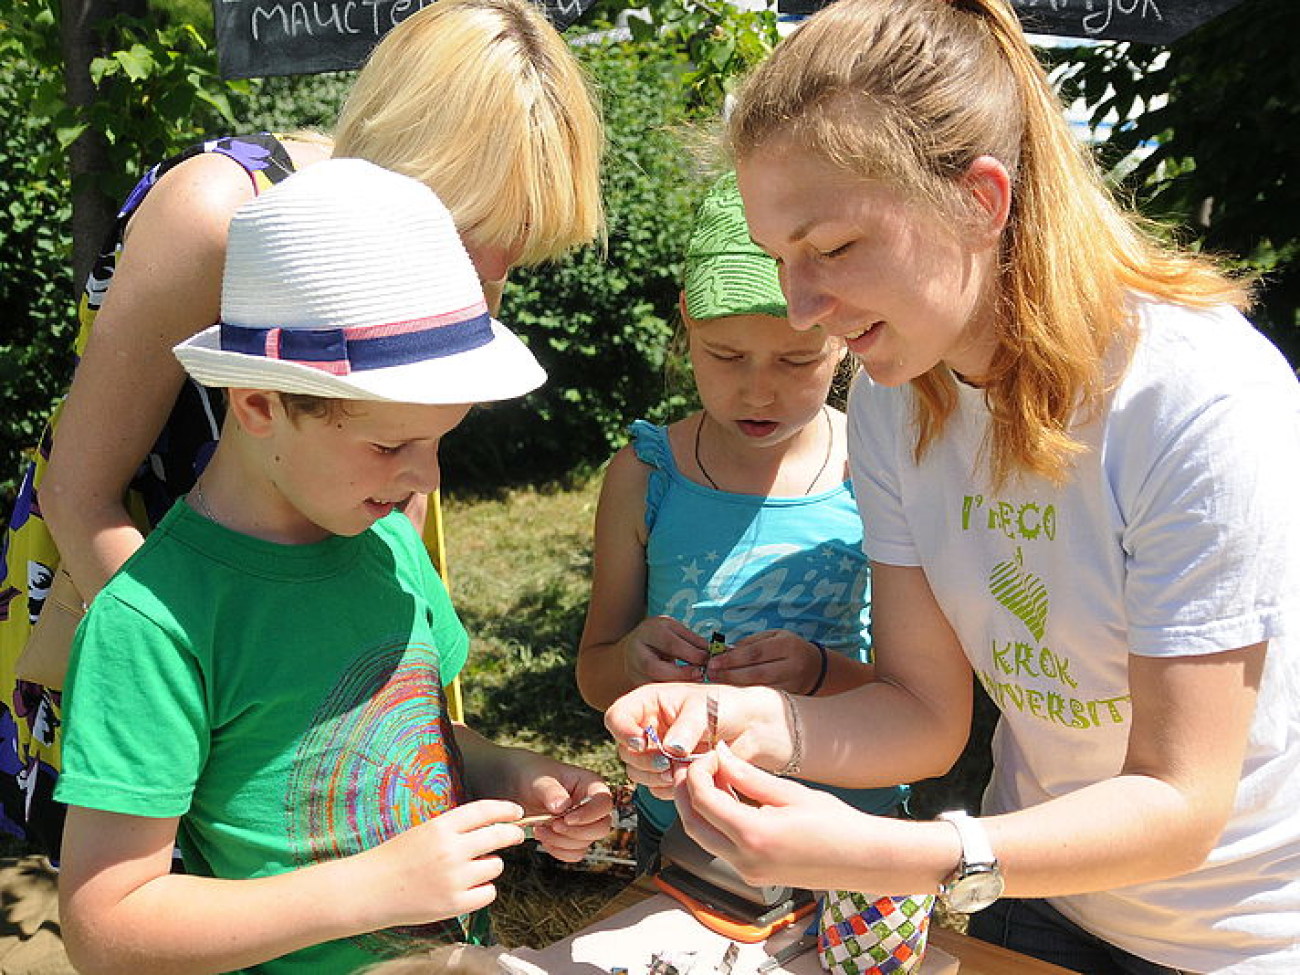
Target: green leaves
(157, 90)
(1215, 116)
(36, 323)
(138, 63)
(720, 40)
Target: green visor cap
(726, 273)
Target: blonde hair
(910, 93)
(482, 101)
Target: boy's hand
(580, 802)
(446, 866)
(660, 649)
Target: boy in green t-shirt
(261, 684)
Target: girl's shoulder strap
(650, 443)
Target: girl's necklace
(830, 448)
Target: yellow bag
(45, 656)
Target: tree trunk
(92, 209)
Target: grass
(519, 573)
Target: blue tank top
(741, 564)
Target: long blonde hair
(483, 101)
(909, 93)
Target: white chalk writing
(1095, 16)
(314, 18)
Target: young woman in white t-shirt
(1077, 465)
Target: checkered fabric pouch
(865, 935)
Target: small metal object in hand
(543, 818)
(717, 647)
(652, 737)
(713, 719)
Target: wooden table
(981, 958)
(976, 957)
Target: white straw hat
(349, 281)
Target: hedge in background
(158, 91)
(1219, 170)
(601, 323)
(37, 325)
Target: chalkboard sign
(1145, 21)
(259, 38)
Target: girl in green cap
(735, 526)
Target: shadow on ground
(30, 938)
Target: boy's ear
(254, 409)
(990, 184)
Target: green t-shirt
(286, 701)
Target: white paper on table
(659, 924)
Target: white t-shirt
(1177, 534)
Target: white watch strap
(975, 845)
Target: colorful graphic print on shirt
(380, 758)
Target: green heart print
(1022, 592)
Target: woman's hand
(778, 832)
(772, 830)
(751, 720)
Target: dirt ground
(541, 901)
(30, 939)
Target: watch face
(974, 891)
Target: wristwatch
(977, 881)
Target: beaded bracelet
(796, 736)
(821, 674)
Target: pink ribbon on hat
(340, 351)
